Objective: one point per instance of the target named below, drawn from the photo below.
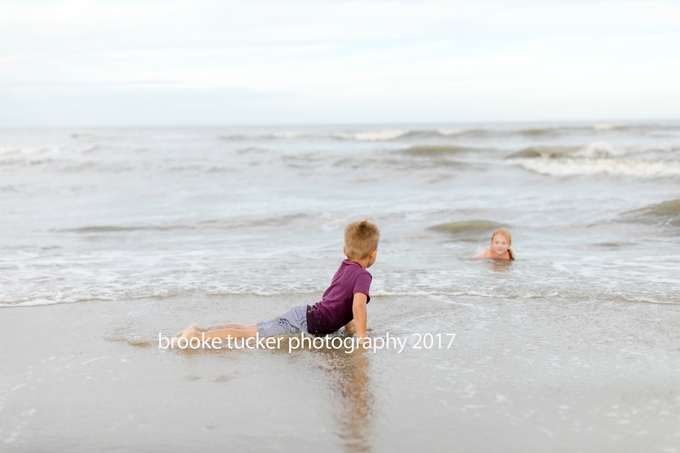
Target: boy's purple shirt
(335, 308)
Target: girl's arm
(482, 254)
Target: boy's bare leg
(197, 328)
(247, 332)
(230, 326)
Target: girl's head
(501, 242)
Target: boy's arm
(359, 312)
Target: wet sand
(524, 375)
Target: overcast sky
(202, 62)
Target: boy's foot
(190, 332)
(181, 332)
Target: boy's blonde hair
(361, 238)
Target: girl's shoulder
(484, 253)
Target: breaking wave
(592, 150)
(435, 150)
(10, 151)
(665, 213)
(371, 136)
(480, 131)
(627, 167)
(594, 158)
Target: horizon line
(349, 124)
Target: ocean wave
(372, 136)
(288, 135)
(451, 131)
(6, 150)
(42, 301)
(594, 128)
(281, 220)
(538, 131)
(548, 152)
(393, 134)
(634, 127)
(597, 127)
(664, 213)
(591, 150)
(233, 138)
(11, 151)
(669, 208)
(588, 166)
(600, 150)
(435, 150)
(98, 229)
(280, 135)
(468, 227)
(594, 158)
(93, 137)
(604, 126)
(253, 150)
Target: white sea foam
(372, 136)
(587, 166)
(11, 149)
(604, 126)
(289, 134)
(451, 131)
(33, 303)
(599, 149)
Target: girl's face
(499, 244)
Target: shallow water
(132, 213)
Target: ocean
(111, 214)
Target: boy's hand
(359, 312)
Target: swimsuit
(505, 256)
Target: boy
(344, 300)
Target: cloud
(292, 60)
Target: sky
(203, 62)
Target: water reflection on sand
(346, 378)
(349, 380)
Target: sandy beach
(521, 375)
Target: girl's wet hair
(508, 237)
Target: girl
(500, 247)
